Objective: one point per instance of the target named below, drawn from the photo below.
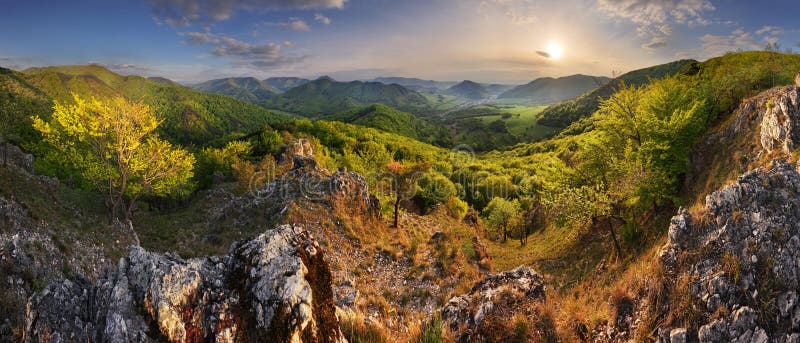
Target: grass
(521, 120)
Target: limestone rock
(465, 315)
(275, 287)
(744, 248)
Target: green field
(520, 120)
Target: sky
(503, 41)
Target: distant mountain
(548, 90)
(419, 85)
(247, 89)
(326, 96)
(388, 119)
(190, 116)
(162, 80)
(469, 89)
(567, 112)
(497, 89)
(286, 83)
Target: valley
(340, 171)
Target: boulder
(471, 317)
(275, 287)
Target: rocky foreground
(275, 287)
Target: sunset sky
(509, 41)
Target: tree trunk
(504, 233)
(614, 237)
(396, 210)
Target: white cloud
(653, 17)
(185, 12)
(715, 45)
(296, 24)
(322, 19)
(657, 42)
(244, 53)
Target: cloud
(770, 30)
(653, 17)
(296, 25)
(544, 54)
(656, 43)
(715, 45)
(200, 38)
(322, 19)
(520, 12)
(243, 53)
(185, 12)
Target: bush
(457, 207)
(434, 188)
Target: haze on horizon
(508, 41)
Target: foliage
(567, 112)
(114, 145)
(402, 180)
(189, 116)
(434, 188)
(503, 216)
(458, 208)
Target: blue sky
(483, 40)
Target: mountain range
(548, 90)
(247, 89)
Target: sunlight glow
(554, 50)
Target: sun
(554, 50)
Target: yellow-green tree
(403, 179)
(114, 145)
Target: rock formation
(475, 316)
(739, 260)
(275, 287)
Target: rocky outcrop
(473, 317)
(779, 122)
(275, 287)
(738, 260)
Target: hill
(469, 89)
(285, 83)
(162, 80)
(325, 96)
(243, 88)
(190, 116)
(565, 113)
(415, 84)
(548, 90)
(387, 119)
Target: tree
(503, 214)
(403, 181)
(5, 123)
(114, 146)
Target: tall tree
(6, 120)
(503, 215)
(114, 145)
(403, 181)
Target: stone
(463, 314)
(678, 335)
(275, 287)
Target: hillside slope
(189, 116)
(387, 119)
(327, 96)
(548, 90)
(469, 89)
(285, 83)
(243, 88)
(565, 113)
